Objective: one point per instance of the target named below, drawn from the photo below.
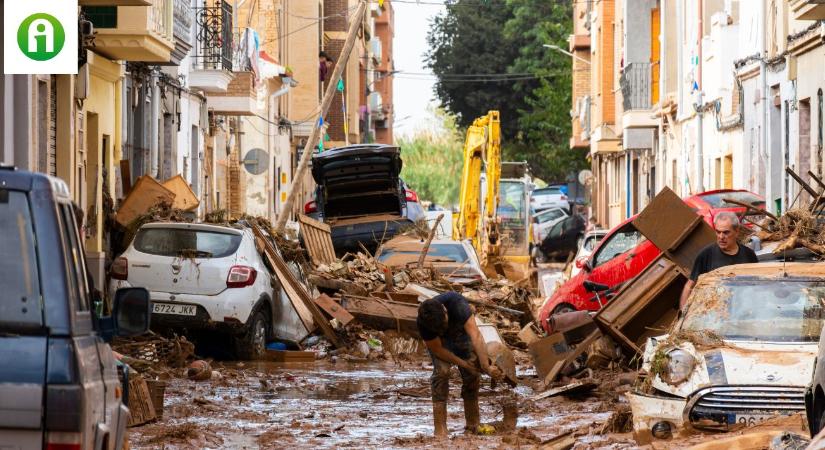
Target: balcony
(635, 83)
(375, 106)
(134, 33)
(182, 31)
(212, 70)
(239, 99)
(808, 9)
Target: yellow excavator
(494, 211)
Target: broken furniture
(647, 304)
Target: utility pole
(357, 19)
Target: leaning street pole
(357, 19)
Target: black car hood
(359, 180)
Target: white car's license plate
(170, 308)
(749, 420)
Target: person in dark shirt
(448, 328)
(725, 252)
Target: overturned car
(743, 351)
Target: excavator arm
(476, 219)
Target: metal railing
(635, 84)
(213, 37)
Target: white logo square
(40, 36)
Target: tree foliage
(433, 162)
(475, 38)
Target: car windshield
(446, 252)
(186, 243)
(716, 200)
(548, 215)
(758, 310)
(19, 304)
(547, 191)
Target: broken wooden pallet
(317, 240)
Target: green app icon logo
(41, 37)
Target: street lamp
(559, 49)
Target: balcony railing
(635, 84)
(213, 37)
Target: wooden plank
(317, 239)
(672, 227)
(334, 310)
(290, 356)
(140, 401)
(185, 198)
(383, 314)
(577, 387)
(146, 193)
(294, 289)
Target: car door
(617, 258)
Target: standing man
(448, 327)
(725, 252)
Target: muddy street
(353, 405)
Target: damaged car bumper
(716, 408)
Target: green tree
(507, 36)
(433, 162)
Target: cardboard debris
(185, 198)
(317, 240)
(145, 194)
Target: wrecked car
(743, 351)
(456, 260)
(204, 278)
(361, 197)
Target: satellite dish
(256, 161)
(585, 176)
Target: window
(20, 302)
(628, 237)
(717, 200)
(186, 243)
(549, 215)
(759, 310)
(452, 252)
(101, 16)
(76, 270)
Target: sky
(413, 94)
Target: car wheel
(252, 343)
(561, 309)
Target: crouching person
(448, 328)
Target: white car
(743, 352)
(548, 197)
(543, 221)
(456, 260)
(202, 278)
(590, 241)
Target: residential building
(380, 92)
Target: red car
(708, 204)
(623, 253)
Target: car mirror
(131, 311)
(580, 262)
